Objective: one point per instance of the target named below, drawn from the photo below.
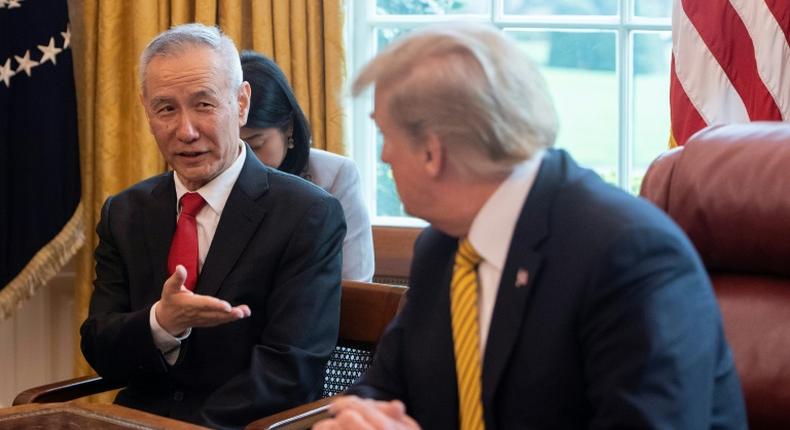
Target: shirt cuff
(168, 344)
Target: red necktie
(184, 248)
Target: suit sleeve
(286, 366)
(651, 335)
(384, 380)
(116, 340)
(358, 259)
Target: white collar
(492, 228)
(216, 191)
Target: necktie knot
(191, 204)
(467, 256)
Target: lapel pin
(522, 278)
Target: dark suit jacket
(277, 248)
(617, 326)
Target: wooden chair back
(393, 247)
(365, 312)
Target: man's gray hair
(175, 40)
(471, 86)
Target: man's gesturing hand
(180, 309)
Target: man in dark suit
(540, 296)
(217, 287)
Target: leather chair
(365, 311)
(729, 189)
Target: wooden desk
(85, 416)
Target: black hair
(273, 104)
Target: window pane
(653, 8)
(387, 201)
(431, 7)
(651, 100)
(554, 7)
(579, 67)
(385, 35)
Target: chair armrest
(63, 391)
(299, 418)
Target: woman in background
(278, 132)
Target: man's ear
(434, 155)
(244, 102)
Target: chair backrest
(729, 189)
(365, 311)
(393, 248)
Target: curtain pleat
(334, 74)
(262, 20)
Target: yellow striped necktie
(466, 336)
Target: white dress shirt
(216, 194)
(491, 232)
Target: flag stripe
(684, 116)
(701, 76)
(770, 47)
(730, 63)
(735, 55)
(781, 11)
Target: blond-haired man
(540, 296)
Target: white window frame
(360, 42)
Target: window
(606, 63)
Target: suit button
(178, 396)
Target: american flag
(730, 63)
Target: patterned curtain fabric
(304, 37)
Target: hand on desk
(351, 412)
(180, 309)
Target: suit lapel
(434, 329)
(159, 224)
(237, 224)
(519, 276)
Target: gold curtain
(303, 36)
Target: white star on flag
(49, 52)
(25, 63)
(14, 3)
(66, 37)
(6, 73)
